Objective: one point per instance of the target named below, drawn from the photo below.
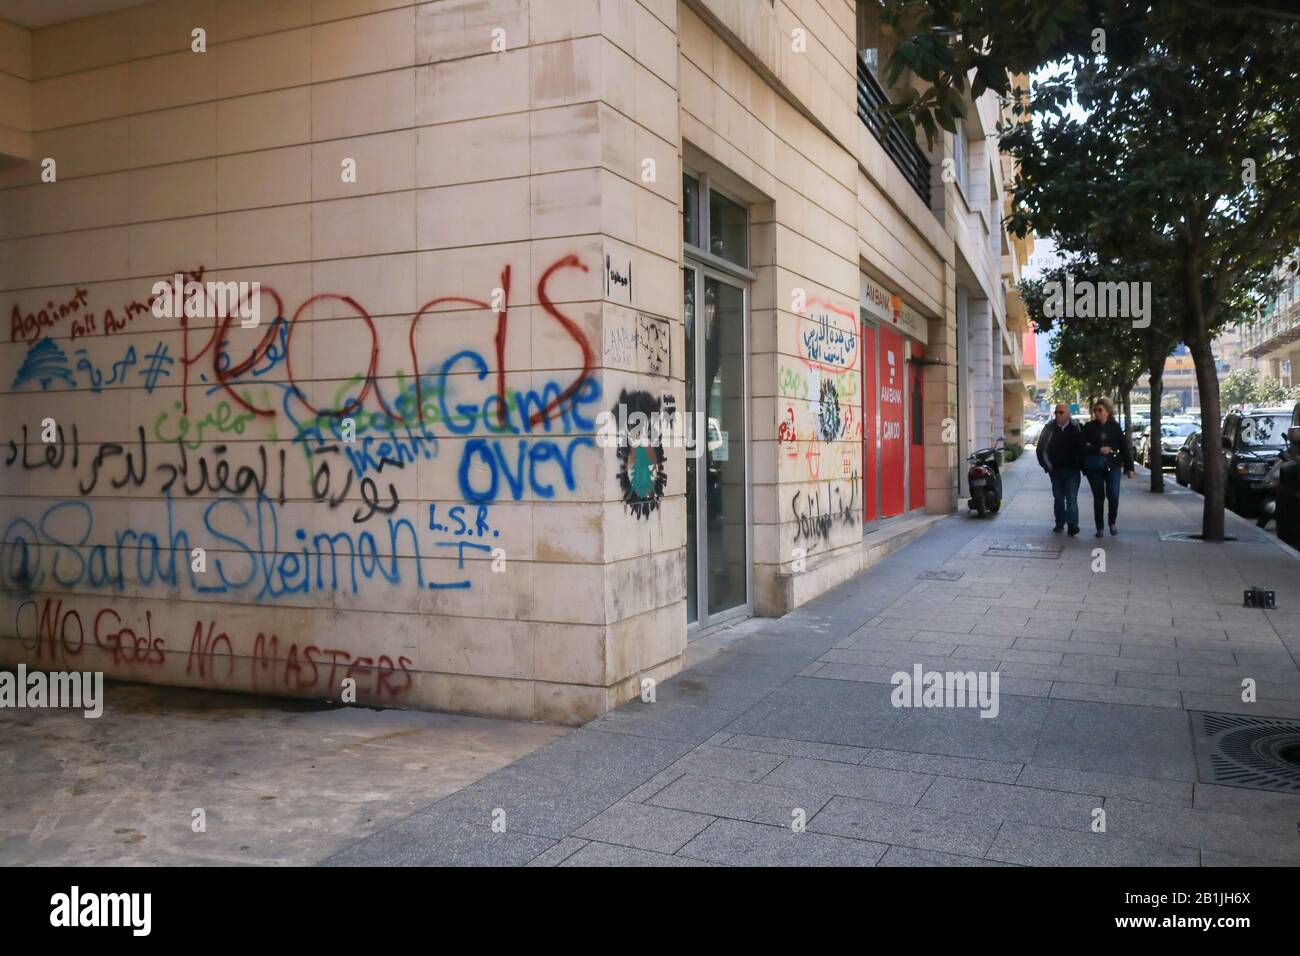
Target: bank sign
(888, 308)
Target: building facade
(1272, 342)
(335, 327)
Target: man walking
(1060, 454)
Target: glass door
(717, 477)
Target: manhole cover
(1023, 551)
(1260, 753)
(1189, 536)
(940, 576)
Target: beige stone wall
(504, 268)
(500, 238)
(786, 124)
(15, 93)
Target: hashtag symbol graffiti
(158, 366)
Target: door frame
(704, 267)
(866, 321)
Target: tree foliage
(1165, 143)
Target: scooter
(985, 479)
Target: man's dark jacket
(1060, 448)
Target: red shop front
(893, 446)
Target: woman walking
(1106, 454)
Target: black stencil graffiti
(642, 471)
(829, 420)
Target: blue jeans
(1065, 496)
(1105, 490)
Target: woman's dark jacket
(1095, 435)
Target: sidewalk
(1098, 673)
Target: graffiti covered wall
(393, 477)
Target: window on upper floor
(961, 161)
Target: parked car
(1281, 486)
(1252, 442)
(1186, 459)
(1032, 430)
(1172, 436)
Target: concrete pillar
(985, 372)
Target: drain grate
(1049, 552)
(940, 575)
(1189, 536)
(1259, 753)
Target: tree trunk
(1207, 381)
(1156, 373)
(1126, 396)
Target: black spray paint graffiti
(816, 511)
(642, 471)
(829, 421)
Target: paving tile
(817, 725)
(1266, 686)
(1149, 652)
(917, 827)
(1167, 629)
(1069, 811)
(730, 763)
(608, 854)
(1275, 667)
(873, 673)
(1263, 707)
(712, 690)
(1210, 796)
(1008, 654)
(1270, 837)
(1137, 741)
(1215, 858)
(1121, 664)
(1091, 636)
(1067, 646)
(1176, 793)
(757, 803)
(938, 765)
(1136, 696)
(907, 856)
(962, 732)
(1082, 675)
(866, 782)
(737, 843)
(434, 838)
(652, 786)
(587, 753)
(644, 826)
(535, 803)
(798, 748)
(1040, 630)
(874, 643)
(663, 720)
(1032, 845)
(558, 852)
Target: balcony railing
(1277, 330)
(902, 149)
